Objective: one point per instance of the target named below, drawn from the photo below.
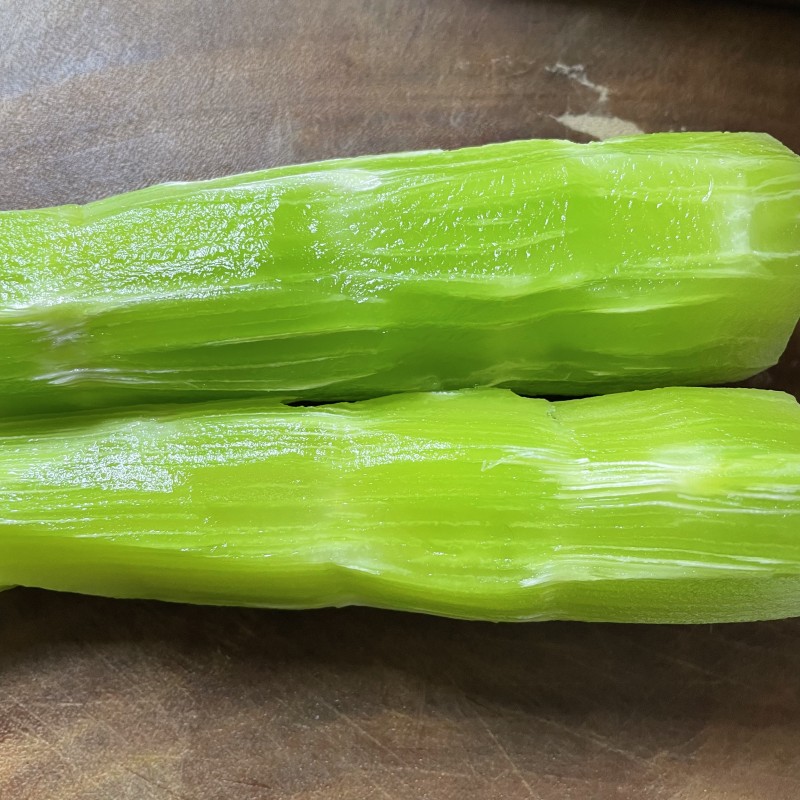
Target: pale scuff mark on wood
(577, 73)
(599, 126)
(597, 121)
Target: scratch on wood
(243, 782)
(360, 729)
(423, 699)
(150, 782)
(506, 755)
(34, 734)
(595, 738)
(367, 735)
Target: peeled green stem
(672, 505)
(543, 266)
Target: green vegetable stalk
(671, 505)
(542, 266)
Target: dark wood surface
(110, 700)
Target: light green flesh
(671, 505)
(543, 266)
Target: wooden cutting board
(104, 700)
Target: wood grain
(109, 700)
